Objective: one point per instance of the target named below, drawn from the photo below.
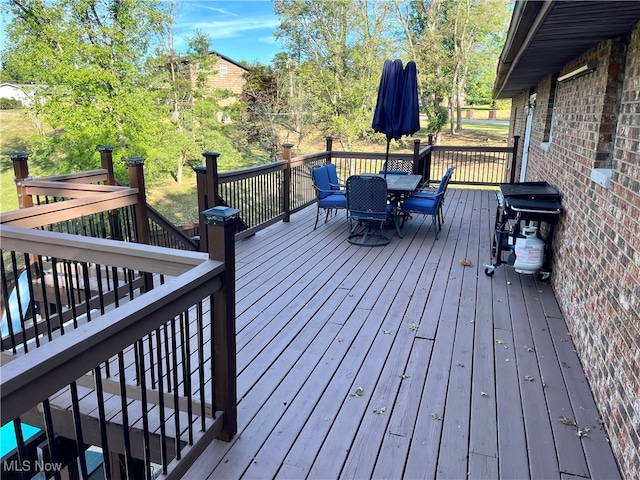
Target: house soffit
(545, 36)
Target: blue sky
(240, 29)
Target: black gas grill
(518, 205)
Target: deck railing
(272, 192)
(124, 346)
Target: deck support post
(221, 226)
(21, 173)
(286, 156)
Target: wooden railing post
(106, 159)
(211, 163)
(329, 141)
(427, 165)
(416, 157)
(514, 156)
(21, 173)
(286, 156)
(208, 192)
(221, 227)
(135, 168)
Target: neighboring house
(24, 93)
(572, 70)
(226, 74)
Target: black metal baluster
(201, 363)
(70, 290)
(31, 306)
(212, 342)
(151, 361)
(51, 437)
(14, 266)
(187, 376)
(106, 454)
(125, 417)
(87, 289)
(17, 430)
(77, 425)
(5, 294)
(176, 403)
(56, 290)
(163, 428)
(145, 414)
(167, 358)
(45, 301)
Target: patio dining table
(399, 186)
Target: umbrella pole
(386, 160)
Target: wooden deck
(400, 362)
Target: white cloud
(226, 28)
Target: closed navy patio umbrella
(397, 111)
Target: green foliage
(91, 55)
(336, 49)
(10, 103)
(437, 117)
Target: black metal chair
(368, 212)
(398, 166)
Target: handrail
(33, 377)
(37, 186)
(135, 256)
(87, 176)
(41, 215)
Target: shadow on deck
(402, 362)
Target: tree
(455, 44)
(263, 98)
(92, 56)
(336, 49)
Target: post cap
(105, 148)
(210, 154)
(200, 169)
(134, 161)
(18, 156)
(220, 215)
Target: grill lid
(529, 190)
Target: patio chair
(333, 179)
(398, 166)
(368, 212)
(425, 206)
(442, 187)
(328, 198)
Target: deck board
(437, 345)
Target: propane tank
(529, 251)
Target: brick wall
(596, 264)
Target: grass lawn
(16, 130)
(179, 202)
